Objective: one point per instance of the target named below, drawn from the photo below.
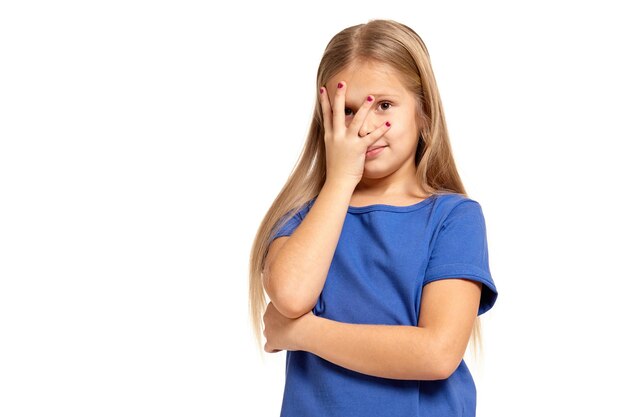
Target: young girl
(373, 257)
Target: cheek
(400, 136)
(403, 127)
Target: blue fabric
(384, 257)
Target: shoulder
(454, 205)
(452, 200)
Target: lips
(375, 147)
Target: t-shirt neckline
(388, 207)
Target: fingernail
(387, 124)
(340, 85)
(370, 98)
(321, 90)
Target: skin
(435, 347)
(390, 177)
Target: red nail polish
(370, 98)
(387, 124)
(340, 85)
(322, 90)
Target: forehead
(368, 78)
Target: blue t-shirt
(384, 257)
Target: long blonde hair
(383, 41)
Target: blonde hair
(383, 41)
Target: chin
(375, 173)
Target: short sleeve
(288, 228)
(460, 251)
(292, 223)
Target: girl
(373, 257)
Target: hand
(345, 149)
(282, 332)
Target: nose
(367, 126)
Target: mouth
(375, 147)
(374, 151)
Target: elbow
(440, 369)
(292, 311)
(446, 361)
(290, 306)
(446, 368)
(285, 301)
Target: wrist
(307, 332)
(343, 186)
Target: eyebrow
(380, 95)
(377, 95)
(384, 95)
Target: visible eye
(384, 105)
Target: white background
(142, 143)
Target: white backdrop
(142, 142)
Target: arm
(432, 350)
(296, 271)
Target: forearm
(298, 273)
(388, 351)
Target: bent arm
(432, 350)
(295, 272)
(387, 351)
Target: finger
(339, 110)
(327, 113)
(376, 134)
(361, 114)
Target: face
(393, 103)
